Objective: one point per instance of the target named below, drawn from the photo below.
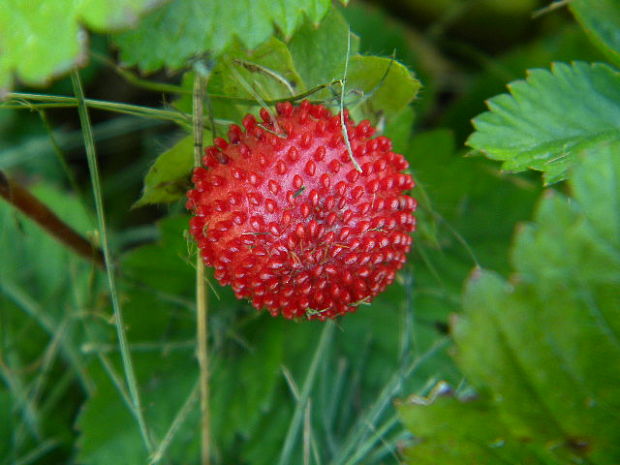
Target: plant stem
(128, 367)
(202, 307)
(136, 110)
(22, 99)
(38, 212)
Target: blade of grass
(21, 298)
(10, 371)
(179, 419)
(35, 390)
(128, 367)
(38, 452)
(330, 412)
(47, 361)
(295, 425)
(202, 308)
(309, 436)
(369, 443)
(357, 437)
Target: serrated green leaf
(386, 87)
(548, 117)
(601, 20)
(40, 43)
(544, 348)
(567, 44)
(173, 34)
(169, 178)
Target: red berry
(284, 217)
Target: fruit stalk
(201, 294)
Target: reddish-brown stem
(37, 211)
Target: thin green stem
(137, 110)
(15, 100)
(128, 367)
(39, 451)
(202, 306)
(345, 132)
(60, 156)
(176, 424)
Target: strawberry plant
(310, 232)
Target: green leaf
(166, 381)
(40, 43)
(601, 21)
(377, 88)
(241, 78)
(165, 266)
(548, 117)
(566, 44)
(173, 34)
(399, 129)
(386, 87)
(169, 177)
(266, 72)
(466, 207)
(453, 430)
(317, 63)
(544, 349)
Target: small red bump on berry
(334, 166)
(284, 109)
(357, 192)
(249, 122)
(353, 175)
(234, 134)
(298, 181)
(274, 187)
(305, 210)
(264, 114)
(310, 168)
(280, 167)
(220, 143)
(293, 154)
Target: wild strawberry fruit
(284, 217)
